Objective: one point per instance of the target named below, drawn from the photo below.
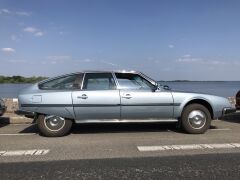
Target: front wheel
(196, 119)
(53, 126)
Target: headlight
(232, 101)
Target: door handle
(83, 96)
(127, 96)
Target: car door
(139, 100)
(98, 100)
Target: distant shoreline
(34, 79)
(20, 79)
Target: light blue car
(116, 97)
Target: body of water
(225, 89)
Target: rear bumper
(228, 111)
(25, 113)
(2, 110)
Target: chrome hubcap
(197, 119)
(54, 123)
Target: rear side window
(69, 82)
(99, 81)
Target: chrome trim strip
(83, 80)
(98, 105)
(125, 121)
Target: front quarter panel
(183, 98)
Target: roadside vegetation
(20, 79)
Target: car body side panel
(99, 104)
(146, 104)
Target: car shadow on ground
(234, 117)
(123, 128)
(116, 128)
(113, 128)
(30, 129)
(4, 121)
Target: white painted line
(32, 152)
(188, 147)
(19, 134)
(223, 129)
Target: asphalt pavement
(122, 151)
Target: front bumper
(237, 107)
(228, 111)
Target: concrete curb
(10, 118)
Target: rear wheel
(53, 126)
(196, 119)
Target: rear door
(98, 100)
(140, 101)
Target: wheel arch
(203, 102)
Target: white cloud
(8, 50)
(87, 60)
(23, 13)
(37, 32)
(57, 58)
(237, 63)
(17, 61)
(187, 58)
(30, 29)
(6, 11)
(14, 38)
(40, 33)
(17, 13)
(108, 63)
(171, 46)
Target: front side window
(99, 81)
(133, 81)
(69, 82)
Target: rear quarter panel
(46, 102)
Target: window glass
(133, 81)
(99, 81)
(63, 83)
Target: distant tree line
(20, 79)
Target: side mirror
(166, 87)
(155, 88)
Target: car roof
(89, 71)
(108, 71)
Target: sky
(167, 40)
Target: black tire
(46, 129)
(196, 119)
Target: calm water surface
(225, 89)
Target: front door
(140, 101)
(98, 100)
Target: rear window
(69, 82)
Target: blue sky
(168, 40)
